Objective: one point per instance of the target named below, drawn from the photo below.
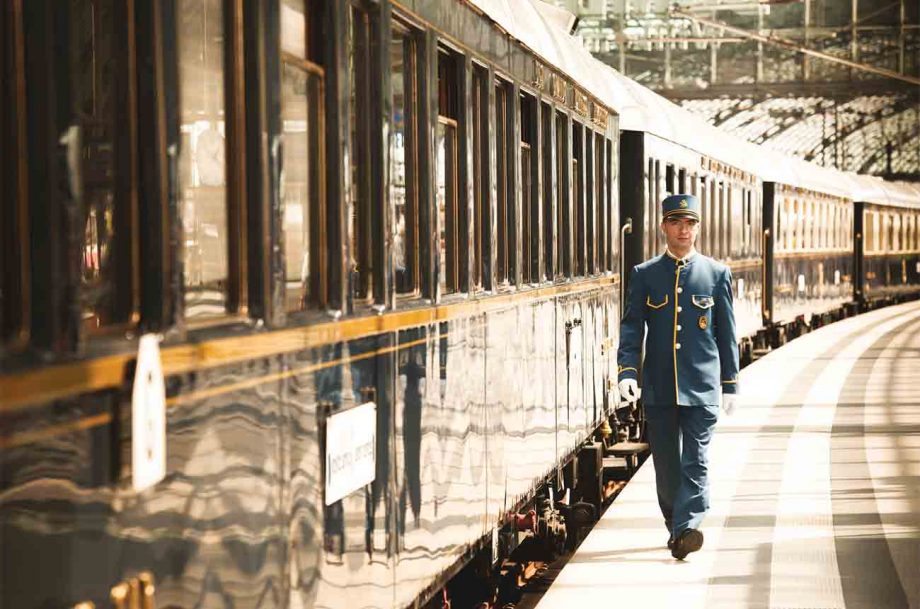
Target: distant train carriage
(809, 265)
(887, 242)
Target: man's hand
(629, 391)
(729, 402)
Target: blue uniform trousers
(679, 438)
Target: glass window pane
(300, 191)
(92, 65)
(448, 219)
(294, 28)
(202, 175)
(402, 163)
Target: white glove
(629, 391)
(729, 402)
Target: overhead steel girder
(793, 46)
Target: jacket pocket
(649, 303)
(701, 301)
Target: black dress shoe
(688, 541)
(671, 542)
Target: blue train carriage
(809, 261)
(887, 241)
(312, 226)
(666, 150)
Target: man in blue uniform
(684, 300)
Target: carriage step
(627, 449)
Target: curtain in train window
(404, 158)
(303, 192)
(448, 171)
(202, 156)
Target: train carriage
(808, 231)
(319, 206)
(887, 244)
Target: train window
(404, 194)
(505, 185)
(748, 222)
(302, 156)
(873, 232)
(549, 190)
(600, 205)
(202, 158)
(669, 180)
(481, 190)
(13, 204)
(448, 172)
(563, 262)
(612, 233)
(651, 202)
(360, 258)
(896, 232)
(702, 191)
(810, 220)
(578, 200)
(530, 197)
(590, 204)
(98, 89)
(737, 219)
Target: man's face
(680, 233)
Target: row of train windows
(730, 211)
(812, 224)
(891, 231)
(571, 219)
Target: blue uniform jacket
(691, 351)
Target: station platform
(815, 489)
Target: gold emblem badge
(684, 204)
(704, 323)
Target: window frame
(505, 140)
(529, 111)
(548, 196)
(413, 99)
(317, 295)
(563, 221)
(15, 311)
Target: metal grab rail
(626, 229)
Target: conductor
(684, 300)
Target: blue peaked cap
(677, 206)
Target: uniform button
(680, 290)
(677, 346)
(678, 328)
(679, 309)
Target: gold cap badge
(684, 204)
